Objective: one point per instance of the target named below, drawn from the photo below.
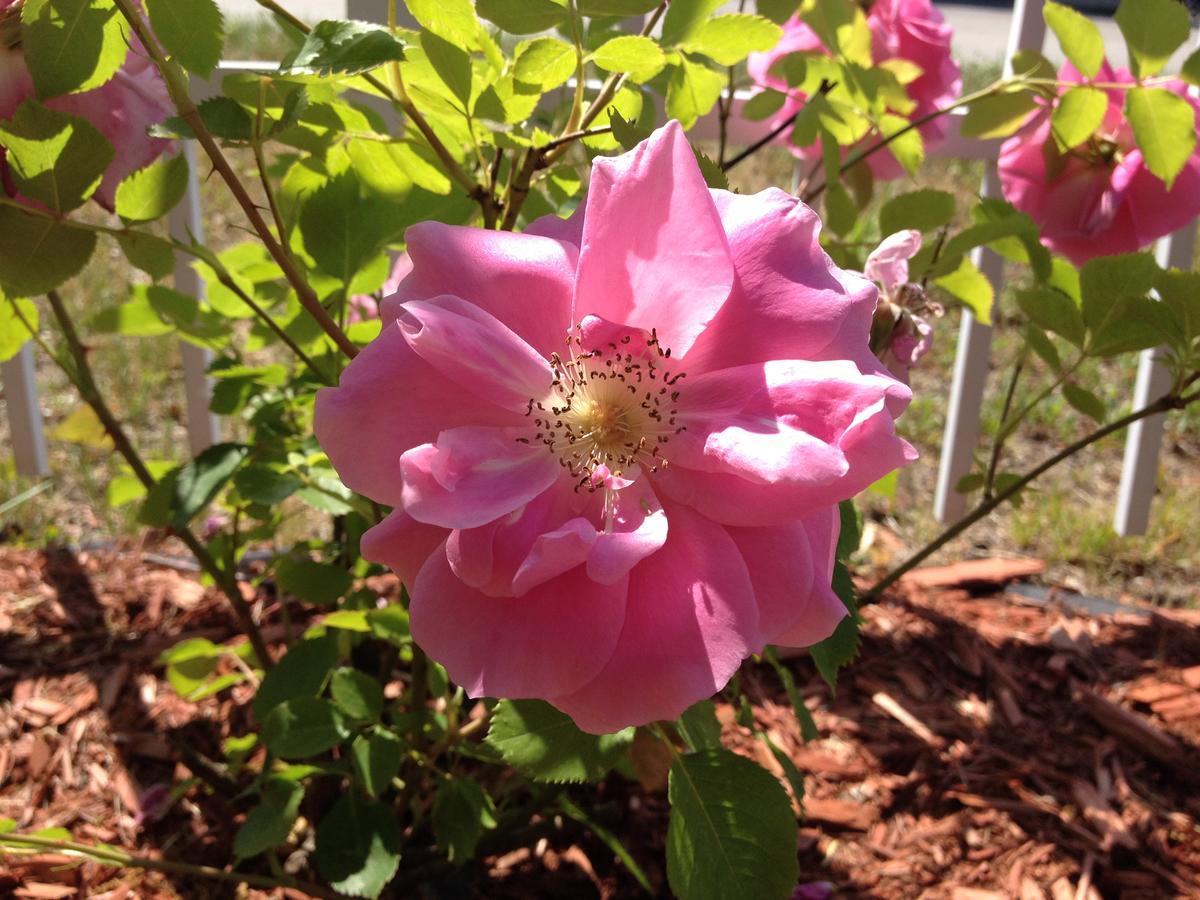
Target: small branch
(178, 89)
(80, 374)
(989, 480)
(574, 136)
(761, 142)
(111, 856)
(1165, 404)
(855, 158)
(614, 81)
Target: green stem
(1164, 404)
(998, 445)
(111, 856)
(178, 89)
(80, 374)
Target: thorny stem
(107, 855)
(1169, 402)
(80, 374)
(178, 89)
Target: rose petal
(402, 544)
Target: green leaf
(778, 11)
(763, 105)
(357, 694)
(1190, 70)
(224, 118)
(1041, 344)
(692, 91)
(346, 48)
(970, 286)
(1107, 281)
(732, 832)
(300, 673)
(200, 480)
(544, 62)
(1153, 31)
(523, 16)
(685, 18)
(610, 840)
(358, 845)
(1136, 323)
(544, 744)
(377, 757)
(344, 231)
(13, 333)
(1054, 311)
(924, 210)
(193, 32)
(699, 727)
(303, 727)
(462, 812)
(152, 192)
(1085, 401)
(730, 38)
(189, 664)
(1079, 38)
(1077, 115)
(38, 254)
(54, 157)
(1164, 126)
(640, 57)
(269, 824)
(451, 20)
(266, 484)
(997, 116)
(349, 620)
(841, 212)
(907, 146)
(808, 728)
(71, 45)
(839, 649)
(153, 255)
(316, 582)
(1032, 64)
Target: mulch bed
(984, 746)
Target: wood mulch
(985, 745)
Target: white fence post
(24, 415)
(972, 362)
(186, 222)
(1143, 444)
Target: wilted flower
(899, 336)
(615, 443)
(122, 109)
(909, 30)
(1099, 198)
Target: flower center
(613, 406)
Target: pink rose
(900, 29)
(122, 109)
(615, 443)
(1098, 199)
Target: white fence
(972, 362)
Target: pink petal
(812, 433)
(555, 638)
(888, 263)
(522, 280)
(389, 400)
(654, 254)
(791, 567)
(555, 553)
(472, 476)
(402, 544)
(691, 620)
(473, 348)
(790, 300)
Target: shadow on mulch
(960, 758)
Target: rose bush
(122, 109)
(1098, 198)
(622, 439)
(912, 32)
